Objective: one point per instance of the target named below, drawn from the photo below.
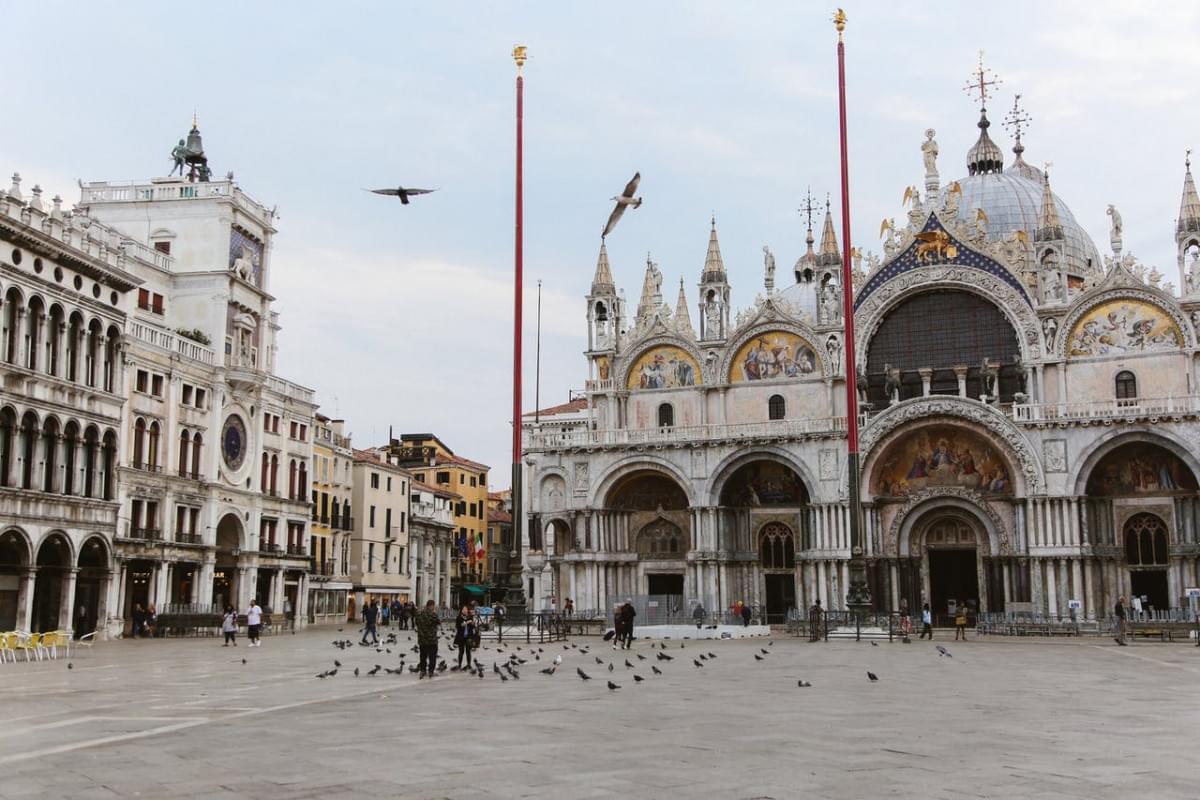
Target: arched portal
(225, 573)
(951, 544)
(15, 560)
(943, 330)
(1146, 543)
(651, 509)
(90, 586)
(53, 561)
(777, 559)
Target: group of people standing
(229, 624)
(376, 613)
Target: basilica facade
(1029, 437)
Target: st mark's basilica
(1029, 438)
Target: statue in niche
(831, 301)
(1154, 278)
(834, 348)
(929, 153)
(891, 384)
(1049, 328)
(1192, 276)
(1054, 288)
(861, 383)
(712, 318)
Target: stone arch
(630, 362)
(557, 530)
(631, 465)
(94, 553)
(897, 420)
(552, 491)
(764, 328)
(1091, 457)
(921, 507)
(230, 533)
(776, 545)
(1090, 301)
(660, 539)
(59, 541)
(732, 463)
(1013, 305)
(16, 548)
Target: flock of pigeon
(508, 666)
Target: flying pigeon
(403, 194)
(655, 670)
(623, 200)
(944, 652)
(612, 687)
(582, 674)
(872, 676)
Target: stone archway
(91, 586)
(226, 585)
(15, 561)
(54, 561)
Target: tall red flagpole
(858, 594)
(519, 55)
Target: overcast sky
(402, 316)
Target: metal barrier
(1165, 625)
(847, 625)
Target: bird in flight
(623, 201)
(401, 192)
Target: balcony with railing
(106, 192)
(297, 550)
(187, 538)
(187, 473)
(146, 534)
(536, 440)
(1128, 409)
(270, 548)
(428, 512)
(170, 342)
(292, 391)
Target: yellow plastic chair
(27, 643)
(8, 651)
(47, 644)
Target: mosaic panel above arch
(774, 354)
(1140, 468)
(664, 367)
(1123, 325)
(941, 456)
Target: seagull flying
(401, 192)
(623, 201)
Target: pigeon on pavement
(872, 676)
(612, 687)
(582, 674)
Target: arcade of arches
(947, 523)
(39, 588)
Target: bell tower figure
(604, 314)
(1187, 233)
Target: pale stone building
(214, 447)
(332, 520)
(431, 542)
(1029, 432)
(65, 293)
(379, 565)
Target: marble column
(25, 599)
(1077, 588)
(1051, 588)
(960, 372)
(926, 374)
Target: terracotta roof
(578, 404)
(373, 457)
(496, 515)
(458, 461)
(435, 489)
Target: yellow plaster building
(431, 461)
(332, 474)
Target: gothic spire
(830, 254)
(602, 281)
(1189, 204)
(651, 300)
(1049, 228)
(714, 267)
(683, 320)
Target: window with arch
(666, 415)
(1126, 385)
(776, 546)
(661, 539)
(152, 445)
(1145, 540)
(139, 441)
(197, 445)
(185, 440)
(776, 407)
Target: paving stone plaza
(1019, 718)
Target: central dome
(1013, 202)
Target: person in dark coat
(1121, 616)
(745, 616)
(627, 615)
(426, 622)
(816, 618)
(464, 633)
(370, 615)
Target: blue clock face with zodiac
(233, 442)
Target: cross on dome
(981, 83)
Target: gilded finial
(982, 81)
(520, 54)
(839, 22)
